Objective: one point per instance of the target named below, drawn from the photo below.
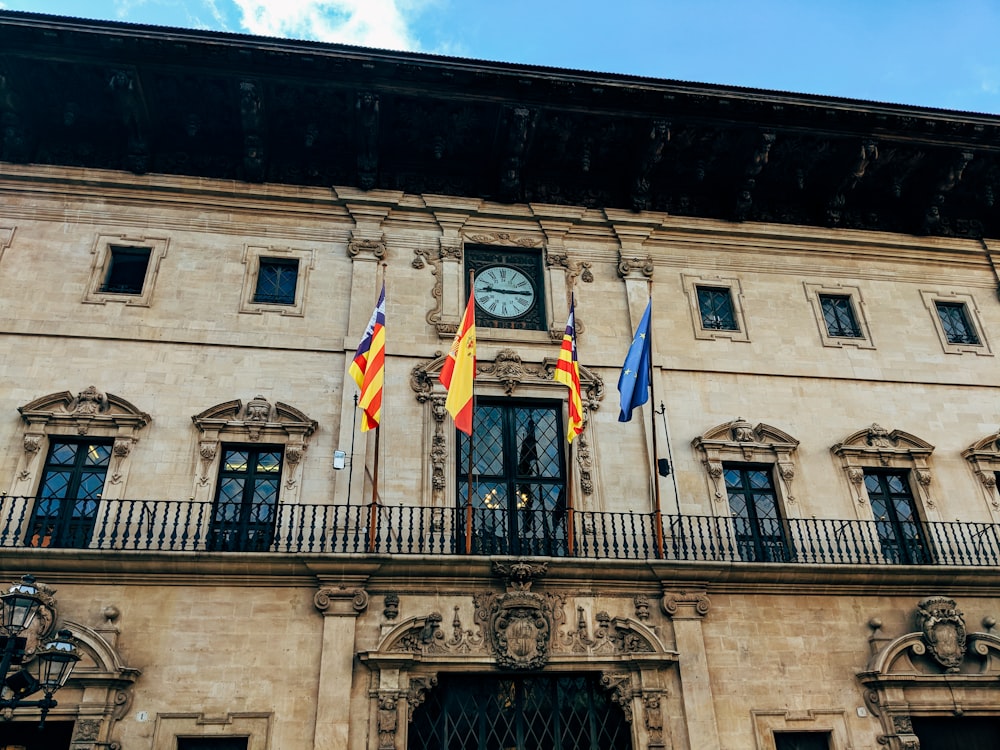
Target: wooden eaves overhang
(156, 100)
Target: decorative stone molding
(641, 602)
(875, 446)
(257, 421)
(984, 459)
(633, 266)
(574, 268)
(686, 605)
(6, 237)
(938, 665)
(391, 606)
(375, 248)
(341, 600)
(254, 726)
(739, 442)
(508, 239)
(92, 413)
(102, 252)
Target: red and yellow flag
(460, 369)
(368, 367)
(568, 373)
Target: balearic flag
(368, 367)
(633, 384)
(460, 369)
(568, 373)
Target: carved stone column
(340, 605)
(687, 609)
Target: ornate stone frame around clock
(984, 459)
(507, 374)
(445, 262)
(257, 421)
(903, 679)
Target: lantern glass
(20, 605)
(55, 661)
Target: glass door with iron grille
(900, 533)
(760, 535)
(538, 712)
(69, 493)
(246, 499)
(518, 479)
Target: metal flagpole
(657, 513)
(373, 514)
(472, 439)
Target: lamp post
(46, 669)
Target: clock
(504, 291)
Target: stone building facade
(183, 282)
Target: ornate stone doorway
(556, 712)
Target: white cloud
(369, 23)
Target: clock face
(504, 292)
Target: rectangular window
(70, 490)
(716, 307)
(760, 535)
(956, 324)
(838, 314)
(246, 499)
(519, 479)
(126, 270)
(212, 743)
(900, 532)
(801, 741)
(276, 281)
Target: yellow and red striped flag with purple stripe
(459, 369)
(568, 373)
(368, 367)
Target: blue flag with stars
(633, 385)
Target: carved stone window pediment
(739, 441)
(875, 446)
(89, 412)
(256, 421)
(984, 458)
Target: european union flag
(633, 385)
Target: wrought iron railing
(190, 526)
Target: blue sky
(930, 53)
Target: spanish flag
(568, 373)
(460, 369)
(368, 367)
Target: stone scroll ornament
(943, 627)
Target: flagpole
(570, 536)
(373, 514)
(657, 513)
(472, 441)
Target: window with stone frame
(126, 272)
(801, 741)
(840, 315)
(277, 280)
(756, 513)
(124, 269)
(716, 304)
(246, 498)
(956, 321)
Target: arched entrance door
(533, 712)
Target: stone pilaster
(687, 609)
(340, 605)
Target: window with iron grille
(757, 524)
(276, 281)
(955, 321)
(838, 314)
(716, 307)
(802, 741)
(69, 493)
(246, 498)
(900, 531)
(567, 712)
(126, 270)
(518, 478)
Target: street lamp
(47, 668)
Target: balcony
(189, 526)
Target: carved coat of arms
(944, 630)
